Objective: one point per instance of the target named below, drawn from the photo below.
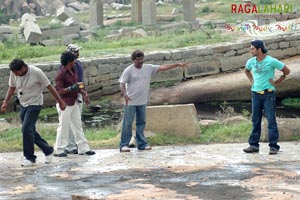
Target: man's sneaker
(88, 153)
(60, 154)
(251, 149)
(74, 151)
(27, 163)
(273, 151)
(124, 149)
(146, 148)
(48, 158)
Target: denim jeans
(29, 116)
(130, 113)
(264, 102)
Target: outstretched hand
(184, 65)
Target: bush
(206, 9)
(4, 19)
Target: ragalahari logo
(264, 8)
(265, 11)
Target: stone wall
(102, 74)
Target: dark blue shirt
(79, 70)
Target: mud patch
(63, 181)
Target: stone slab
(179, 120)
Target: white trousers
(70, 118)
(72, 144)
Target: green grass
(221, 133)
(108, 137)
(100, 46)
(11, 140)
(291, 102)
(218, 133)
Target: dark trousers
(29, 115)
(140, 113)
(267, 103)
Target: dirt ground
(218, 171)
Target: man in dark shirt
(70, 118)
(71, 148)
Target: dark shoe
(146, 148)
(60, 155)
(89, 153)
(251, 149)
(273, 151)
(74, 151)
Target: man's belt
(265, 91)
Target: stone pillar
(136, 10)
(148, 12)
(96, 13)
(189, 10)
(31, 29)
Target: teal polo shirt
(263, 71)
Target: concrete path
(218, 171)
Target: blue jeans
(29, 115)
(130, 112)
(264, 102)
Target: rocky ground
(217, 171)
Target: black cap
(259, 44)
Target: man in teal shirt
(260, 70)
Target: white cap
(73, 48)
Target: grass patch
(108, 137)
(100, 46)
(221, 133)
(11, 138)
(291, 102)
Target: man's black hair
(67, 57)
(16, 64)
(259, 44)
(137, 54)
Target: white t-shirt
(30, 86)
(137, 82)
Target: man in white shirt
(30, 81)
(135, 86)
